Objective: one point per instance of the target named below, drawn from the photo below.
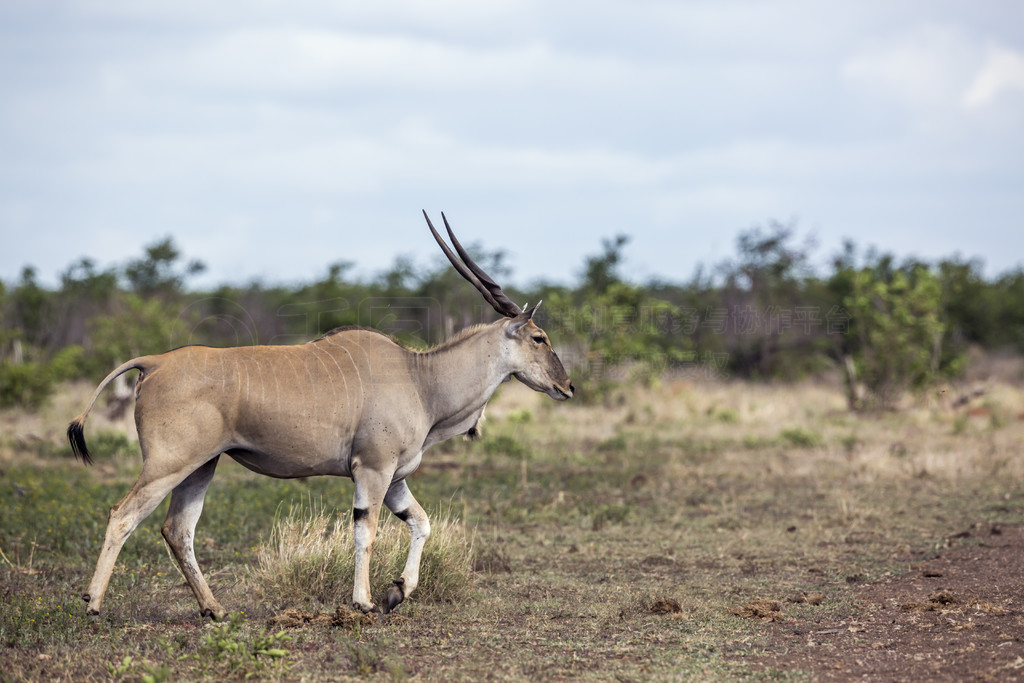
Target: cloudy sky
(272, 138)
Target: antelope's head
(529, 351)
(541, 368)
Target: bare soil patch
(958, 616)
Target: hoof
(395, 595)
(92, 613)
(215, 613)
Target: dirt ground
(958, 616)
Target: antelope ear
(526, 316)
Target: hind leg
(140, 501)
(179, 532)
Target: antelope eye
(539, 339)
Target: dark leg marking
(359, 514)
(403, 515)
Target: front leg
(402, 504)
(371, 486)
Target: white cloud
(924, 68)
(1002, 72)
(273, 62)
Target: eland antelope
(352, 403)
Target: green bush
(28, 385)
(897, 320)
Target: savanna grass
(310, 554)
(710, 495)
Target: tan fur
(353, 403)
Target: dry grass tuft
(311, 555)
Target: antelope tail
(76, 430)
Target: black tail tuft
(76, 435)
